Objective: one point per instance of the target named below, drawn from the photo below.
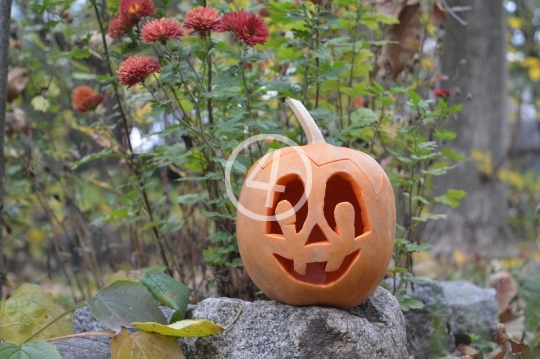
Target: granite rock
(266, 330)
(451, 311)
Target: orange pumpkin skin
(336, 249)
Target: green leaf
(536, 340)
(122, 303)
(28, 310)
(429, 216)
(36, 350)
(168, 291)
(451, 198)
(323, 54)
(445, 135)
(452, 155)
(407, 303)
(412, 247)
(190, 198)
(183, 328)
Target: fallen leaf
(466, 350)
(122, 303)
(142, 345)
(16, 82)
(406, 35)
(183, 328)
(505, 287)
(28, 310)
(37, 350)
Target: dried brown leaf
(438, 13)
(406, 35)
(17, 80)
(142, 345)
(501, 338)
(506, 316)
(466, 350)
(505, 287)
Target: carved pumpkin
(334, 248)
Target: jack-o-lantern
(329, 244)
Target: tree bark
(475, 60)
(5, 16)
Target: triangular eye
(339, 189)
(294, 189)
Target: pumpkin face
(334, 247)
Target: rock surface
(266, 330)
(451, 311)
(83, 348)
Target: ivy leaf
(37, 350)
(122, 303)
(168, 291)
(28, 310)
(144, 346)
(183, 328)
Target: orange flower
(85, 99)
(121, 24)
(136, 69)
(203, 20)
(138, 8)
(247, 27)
(161, 30)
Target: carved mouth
(315, 273)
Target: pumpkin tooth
(300, 267)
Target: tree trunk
(475, 60)
(5, 16)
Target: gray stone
(451, 311)
(83, 348)
(270, 330)
(472, 309)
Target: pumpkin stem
(313, 133)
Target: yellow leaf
(531, 61)
(28, 310)
(182, 328)
(36, 235)
(459, 257)
(144, 346)
(40, 103)
(534, 73)
(483, 160)
(427, 64)
(514, 22)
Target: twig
(235, 318)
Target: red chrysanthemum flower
(441, 93)
(161, 30)
(85, 99)
(121, 24)
(203, 20)
(136, 69)
(247, 27)
(138, 8)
